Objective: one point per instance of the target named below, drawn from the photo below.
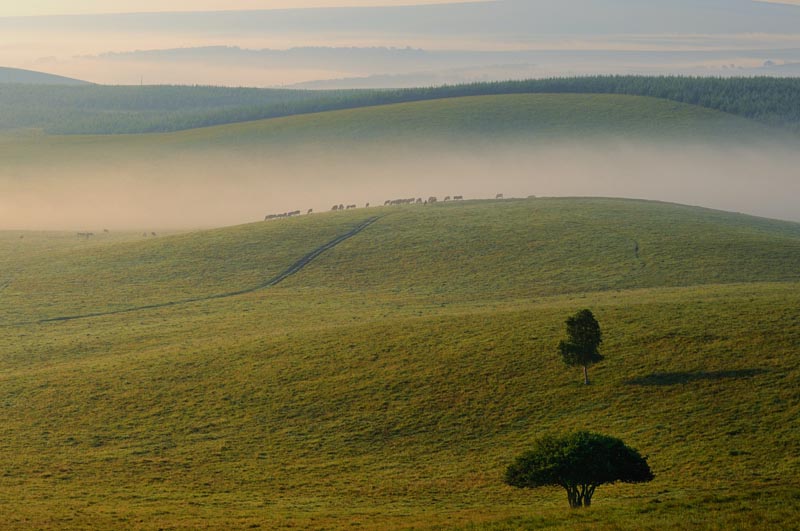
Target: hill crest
(32, 77)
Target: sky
(9, 8)
(75, 7)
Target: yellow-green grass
(338, 401)
(467, 251)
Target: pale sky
(74, 7)
(61, 7)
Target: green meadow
(520, 117)
(389, 382)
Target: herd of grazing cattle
(285, 215)
(388, 202)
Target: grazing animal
(458, 198)
(153, 234)
(419, 200)
(310, 211)
(367, 206)
(447, 198)
(499, 196)
(401, 201)
(432, 199)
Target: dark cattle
(419, 200)
(367, 206)
(335, 208)
(310, 211)
(499, 196)
(153, 234)
(341, 207)
(432, 199)
(400, 201)
(458, 198)
(387, 202)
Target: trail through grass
(388, 383)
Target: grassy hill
(97, 109)
(516, 118)
(389, 382)
(485, 144)
(30, 77)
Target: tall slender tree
(583, 340)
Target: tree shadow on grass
(678, 378)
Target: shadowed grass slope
(356, 394)
(519, 118)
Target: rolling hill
(520, 118)
(30, 77)
(522, 143)
(100, 109)
(389, 380)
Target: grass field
(526, 117)
(388, 383)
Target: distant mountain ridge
(20, 76)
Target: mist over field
(223, 187)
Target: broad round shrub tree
(579, 462)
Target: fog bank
(219, 188)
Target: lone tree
(580, 463)
(585, 337)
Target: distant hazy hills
(16, 75)
(369, 47)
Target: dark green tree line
(100, 109)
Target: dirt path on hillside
(291, 270)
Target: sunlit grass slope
(474, 250)
(388, 383)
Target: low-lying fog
(193, 190)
